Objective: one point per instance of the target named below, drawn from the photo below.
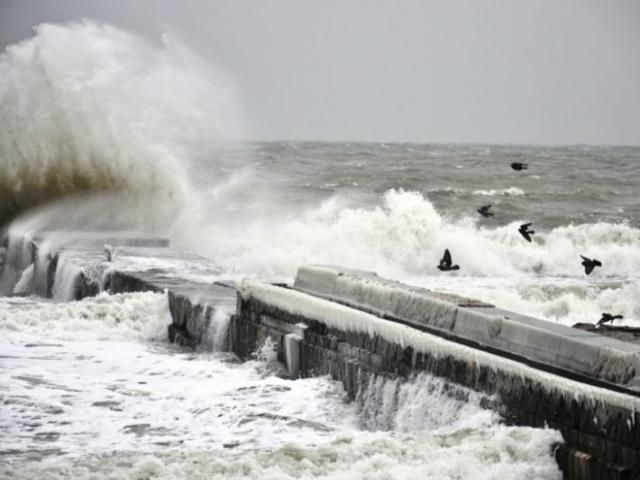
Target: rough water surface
(91, 390)
(106, 131)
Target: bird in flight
(589, 264)
(525, 232)
(519, 166)
(484, 211)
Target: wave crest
(505, 192)
(405, 236)
(86, 107)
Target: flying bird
(589, 264)
(484, 211)
(607, 317)
(519, 166)
(445, 262)
(525, 232)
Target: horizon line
(416, 142)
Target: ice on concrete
(532, 338)
(348, 319)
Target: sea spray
(87, 108)
(405, 235)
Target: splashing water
(406, 235)
(87, 108)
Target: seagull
(525, 232)
(445, 262)
(589, 264)
(607, 317)
(484, 211)
(519, 166)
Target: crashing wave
(88, 108)
(405, 236)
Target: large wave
(405, 236)
(86, 108)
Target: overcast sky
(491, 71)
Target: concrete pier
(558, 377)
(356, 326)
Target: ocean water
(92, 390)
(103, 130)
(394, 208)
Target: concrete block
(543, 342)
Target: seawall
(356, 326)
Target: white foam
(115, 390)
(405, 236)
(510, 192)
(130, 315)
(80, 390)
(498, 453)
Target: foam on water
(511, 191)
(131, 315)
(89, 392)
(88, 377)
(406, 235)
(497, 453)
(101, 130)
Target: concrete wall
(463, 320)
(602, 437)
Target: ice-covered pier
(356, 326)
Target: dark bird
(445, 262)
(484, 211)
(525, 232)
(607, 317)
(589, 264)
(519, 166)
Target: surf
(88, 109)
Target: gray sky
(491, 71)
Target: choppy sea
(92, 390)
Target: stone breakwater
(356, 326)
